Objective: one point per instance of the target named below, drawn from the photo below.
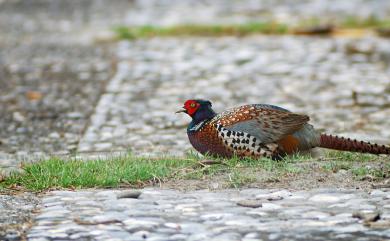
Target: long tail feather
(347, 144)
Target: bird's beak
(181, 111)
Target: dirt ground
(312, 176)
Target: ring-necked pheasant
(261, 130)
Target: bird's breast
(206, 140)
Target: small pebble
(129, 194)
(367, 217)
(250, 203)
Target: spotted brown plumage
(260, 130)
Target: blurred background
(101, 76)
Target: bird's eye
(193, 105)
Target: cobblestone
(159, 214)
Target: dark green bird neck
(200, 117)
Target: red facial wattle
(191, 107)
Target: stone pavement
(62, 91)
(247, 215)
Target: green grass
(369, 22)
(129, 170)
(351, 22)
(200, 30)
(55, 173)
(335, 166)
(135, 171)
(236, 168)
(358, 164)
(237, 179)
(350, 156)
(344, 160)
(249, 28)
(376, 172)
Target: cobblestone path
(250, 214)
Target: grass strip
(56, 173)
(308, 26)
(214, 30)
(134, 171)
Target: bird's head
(198, 109)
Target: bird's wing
(268, 123)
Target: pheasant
(261, 130)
